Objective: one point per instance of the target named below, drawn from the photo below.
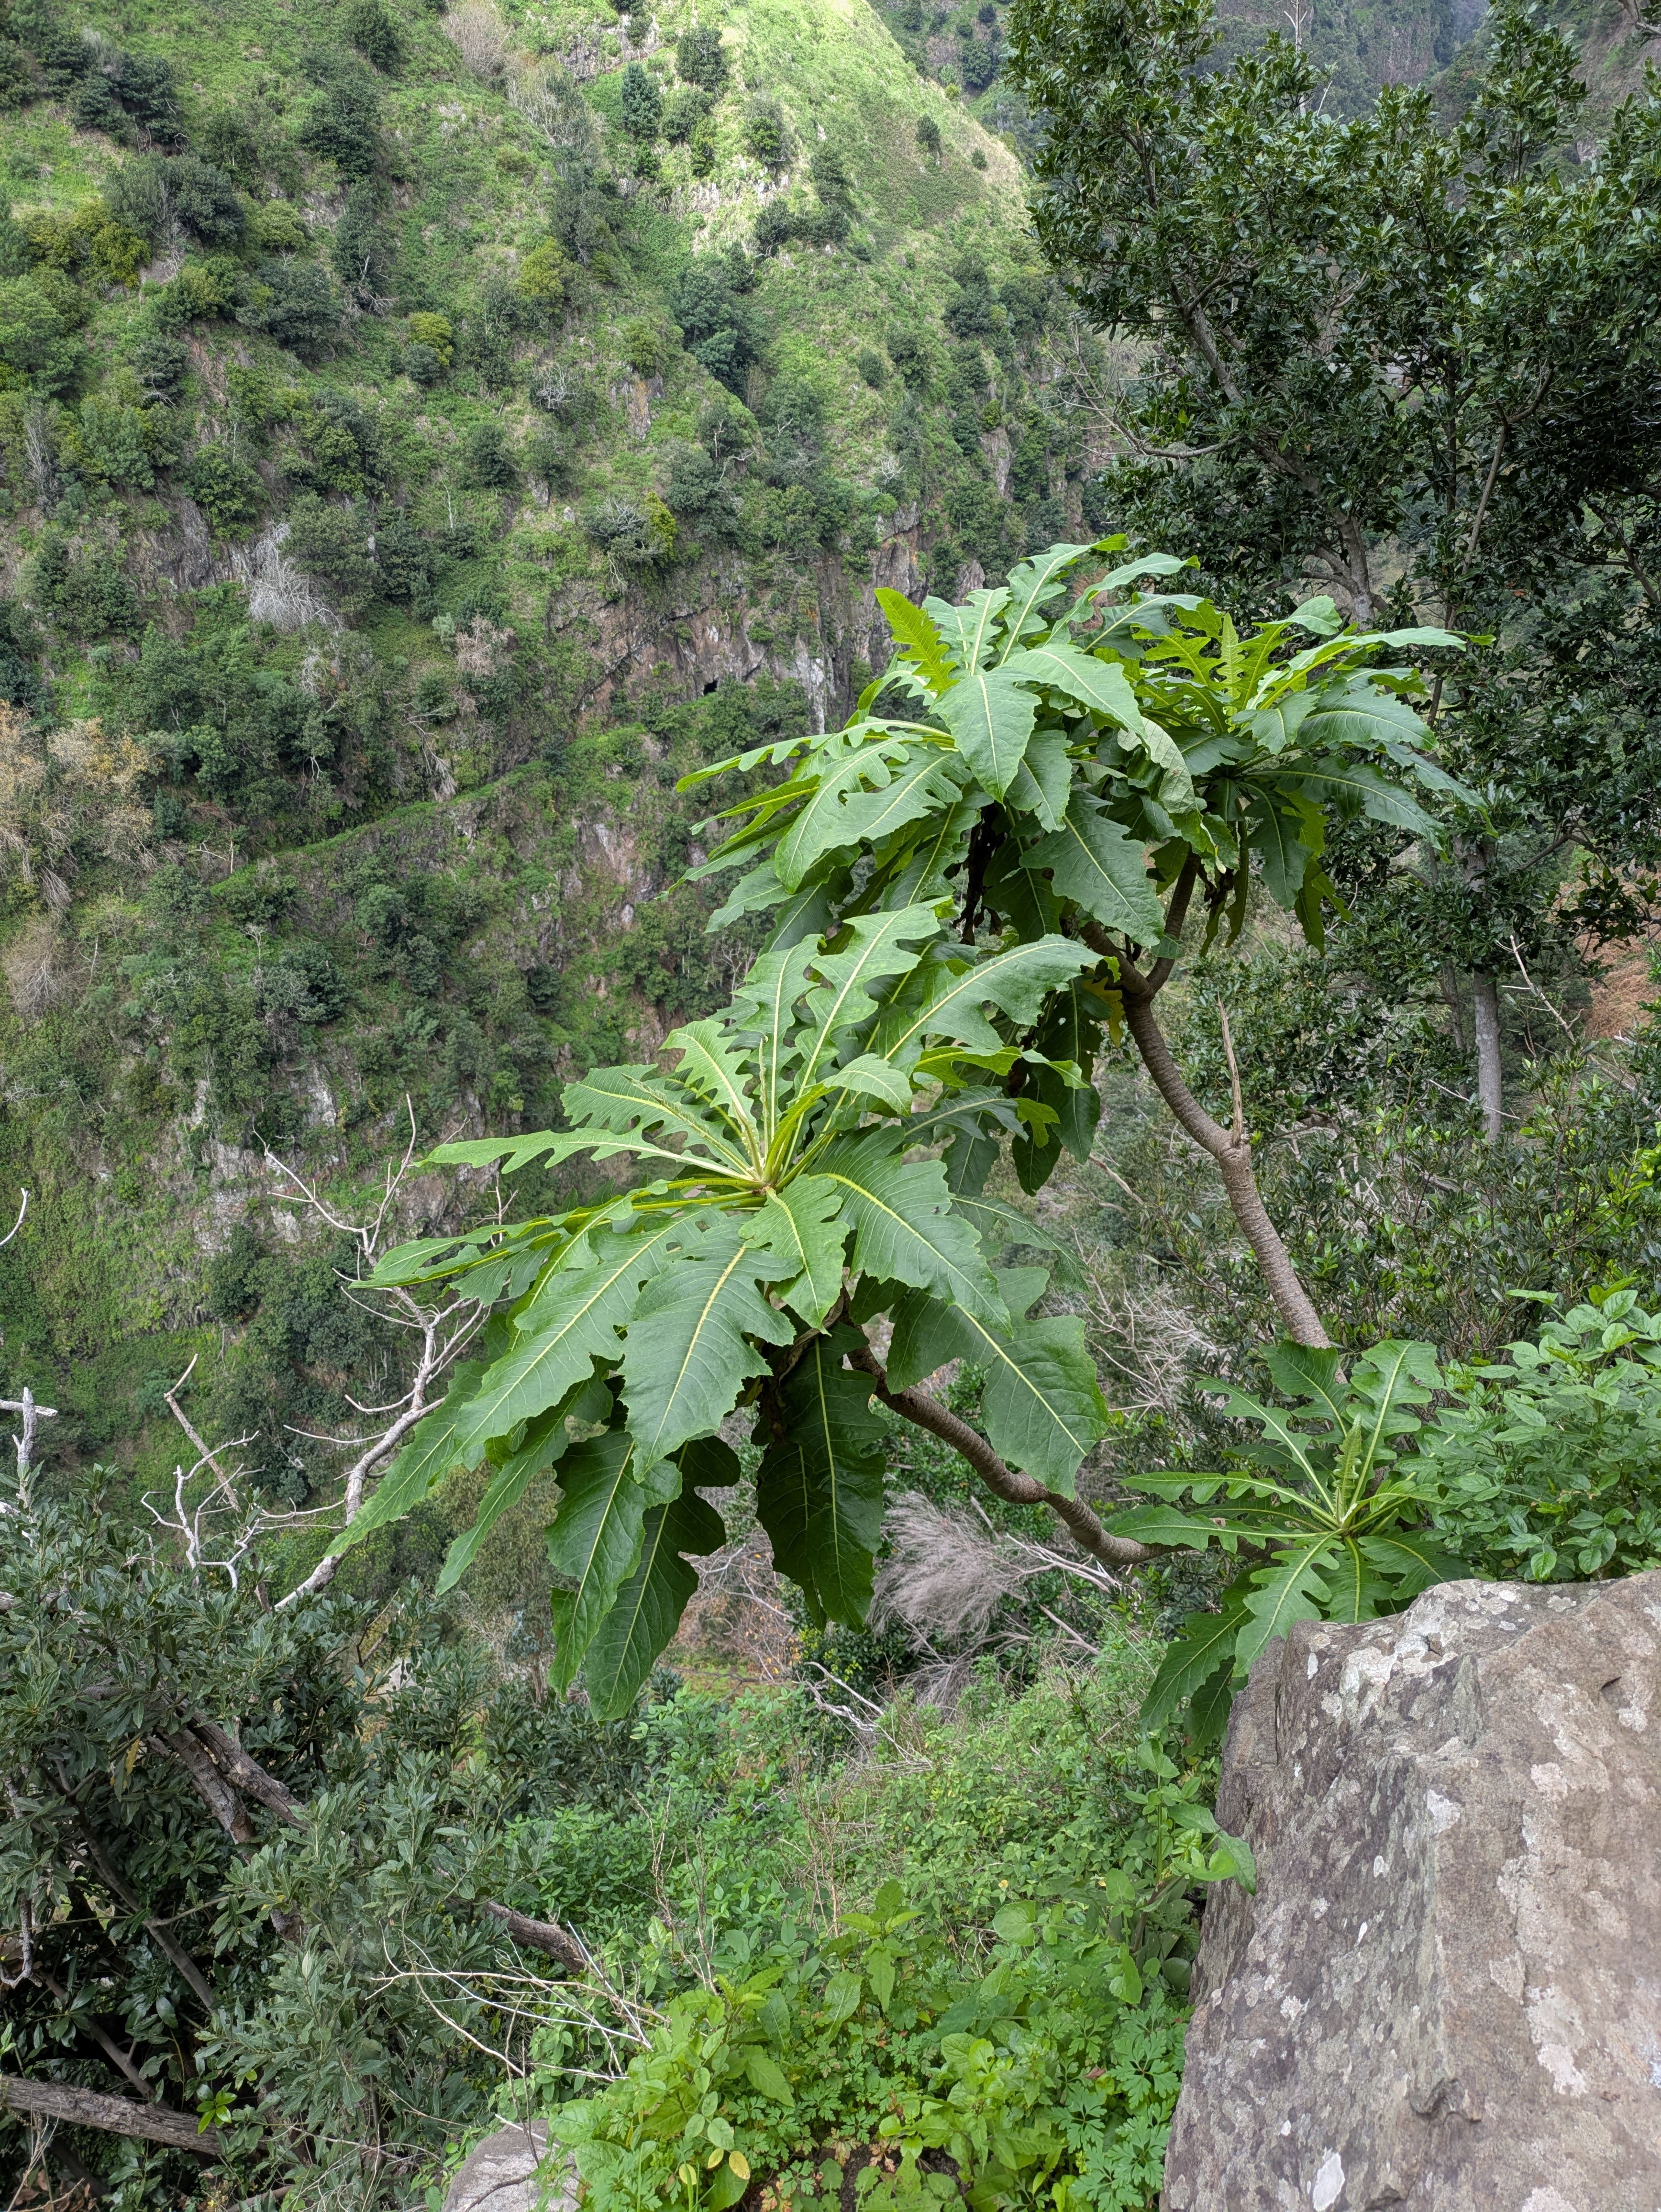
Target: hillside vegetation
(423, 437)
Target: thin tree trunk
(1454, 1003)
(1490, 1086)
(1231, 1150)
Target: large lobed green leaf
(819, 1490)
(647, 1610)
(595, 1542)
(1097, 865)
(688, 1351)
(544, 1444)
(1041, 1403)
(991, 712)
(574, 1318)
(904, 1228)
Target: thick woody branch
(247, 1774)
(544, 1936)
(120, 2115)
(1230, 1148)
(212, 1787)
(925, 1412)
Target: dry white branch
(23, 1209)
(278, 592)
(23, 1442)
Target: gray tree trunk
(1490, 1088)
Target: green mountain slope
(1367, 43)
(412, 428)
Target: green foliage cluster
(278, 1982)
(785, 1211)
(406, 1804)
(1363, 1489)
(1544, 1467)
(857, 2059)
(1406, 413)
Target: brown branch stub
(544, 1936)
(120, 2115)
(925, 1412)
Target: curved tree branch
(1230, 1149)
(925, 1412)
(86, 2108)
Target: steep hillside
(1364, 43)
(1367, 43)
(412, 426)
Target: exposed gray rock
(1446, 1994)
(514, 2170)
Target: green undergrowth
(958, 1962)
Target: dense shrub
(764, 134)
(224, 138)
(360, 250)
(701, 59)
(489, 458)
(404, 557)
(437, 334)
(228, 491)
(684, 111)
(332, 542)
(643, 104)
(135, 195)
(543, 279)
(34, 335)
(719, 326)
(369, 28)
(341, 125)
(637, 533)
(292, 302)
(206, 201)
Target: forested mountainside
(425, 437)
(1365, 44)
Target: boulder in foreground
(1446, 1994)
